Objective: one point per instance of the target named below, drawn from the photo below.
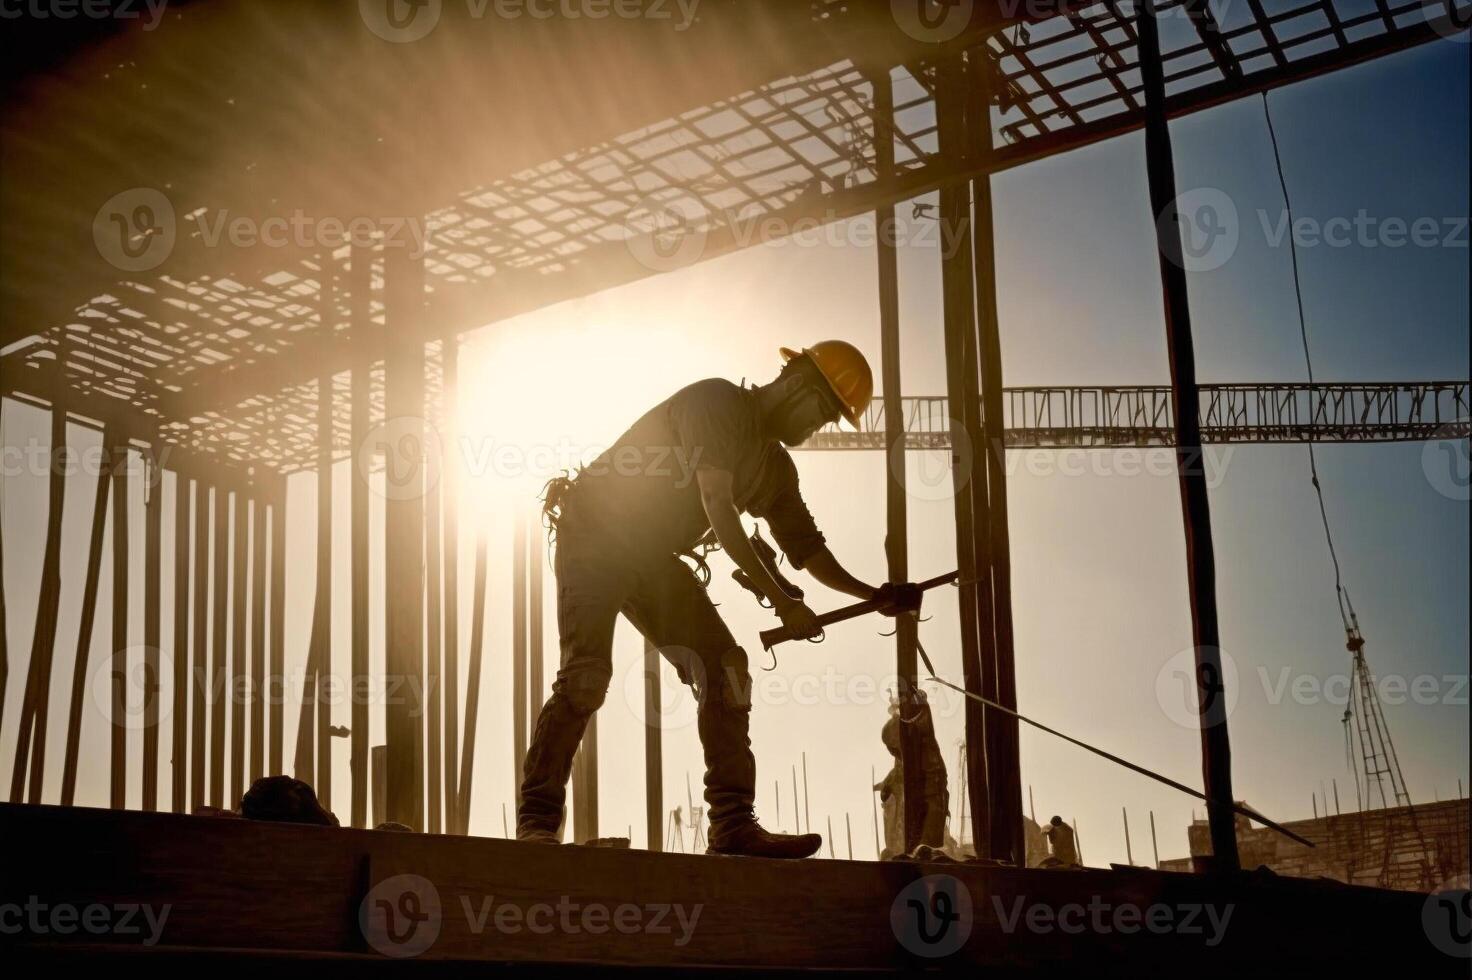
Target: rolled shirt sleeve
(787, 514)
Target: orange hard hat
(845, 370)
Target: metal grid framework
(159, 348)
(1061, 418)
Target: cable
(1346, 615)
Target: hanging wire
(1346, 609)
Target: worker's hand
(801, 621)
(898, 597)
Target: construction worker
(937, 797)
(684, 472)
(1060, 839)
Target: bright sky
(1099, 592)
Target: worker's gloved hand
(801, 621)
(898, 597)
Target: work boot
(749, 839)
(534, 835)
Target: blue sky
(1100, 599)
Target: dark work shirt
(643, 493)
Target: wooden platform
(294, 897)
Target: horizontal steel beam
(1139, 416)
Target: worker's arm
(725, 520)
(822, 566)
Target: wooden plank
(243, 888)
(219, 696)
(959, 322)
(239, 654)
(32, 735)
(1216, 749)
(258, 638)
(404, 535)
(179, 720)
(518, 658)
(896, 536)
(199, 694)
(81, 663)
(472, 684)
(153, 529)
(451, 514)
(118, 663)
(653, 749)
(360, 394)
(1004, 775)
(4, 627)
(433, 602)
(276, 680)
(536, 618)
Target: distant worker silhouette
(1060, 839)
(679, 480)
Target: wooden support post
(276, 682)
(199, 655)
(472, 684)
(82, 661)
(38, 673)
(4, 626)
(179, 721)
(536, 656)
(404, 534)
(450, 512)
(433, 604)
(1216, 748)
(896, 538)
(239, 662)
(585, 793)
(967, 471)
(258, 638)
(118, 663)
(308, 719)
(219, 686)
(653, 748)
(360, 270)
(518, 657)
(1004, 775)
(1129, 853)
(153, 529)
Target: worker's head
(1056, 821)
(818, 386)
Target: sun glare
(537, 398)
